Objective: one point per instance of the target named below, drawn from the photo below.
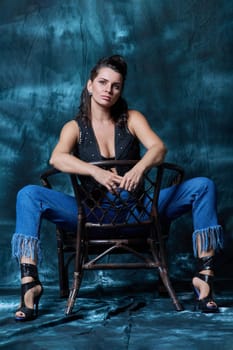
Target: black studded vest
(126, 147)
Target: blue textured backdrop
(180, 77)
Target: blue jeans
(35, 203)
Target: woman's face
(106, 87)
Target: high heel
(207, 304)
(29, 270)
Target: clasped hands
(112, 181)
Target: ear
(89, 86)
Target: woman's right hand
(107, 178)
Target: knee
(27, 192)
(205, 184)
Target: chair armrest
(44, 176)
(178, 175)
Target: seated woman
(105, 128)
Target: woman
(106, 129)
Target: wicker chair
(107, 232)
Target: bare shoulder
(71, 128)
(140, 128)
(136, 120)
(71, 125)
(70, 132)
(134, 113)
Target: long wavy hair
(119, 111)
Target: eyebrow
(115, 82)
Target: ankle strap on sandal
(206, 263)
(29, 270)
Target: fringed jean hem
(26, 246)
(210, 238)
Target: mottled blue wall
(180, 76)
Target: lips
(106, 98)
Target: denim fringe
(210, 238)
(26, 246)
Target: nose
(108, 88)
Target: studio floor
(117, 319)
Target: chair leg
(73, 293)
(63, 275)
(167, 283)
(64, 284)
(162, 290)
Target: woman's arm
(61, 157)
(156, 149)
(63, 160)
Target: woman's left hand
(131, 179)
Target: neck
(100, 114)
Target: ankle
(207, 272)
(29, 271)
(27, 279)
(205, 265)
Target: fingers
(128, 184)
(113, 183)
(113, 188)
(132, 186)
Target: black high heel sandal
(207, 304)
(29, 270)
